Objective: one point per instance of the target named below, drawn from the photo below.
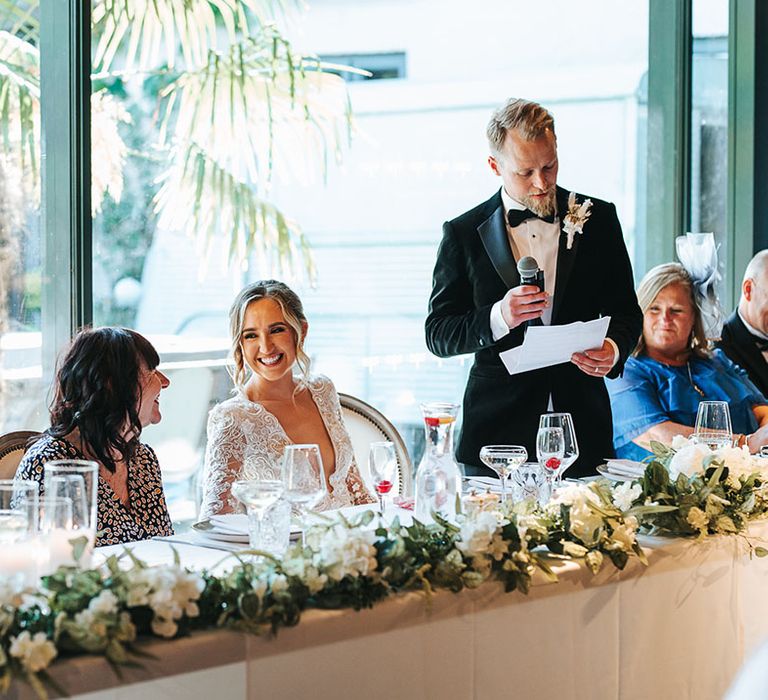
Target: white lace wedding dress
(246, 441)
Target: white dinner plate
(604, 470)
(207, 530)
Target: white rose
(688, 460)
(35, 653)
(105, 603)
(625, 493)
(586, 524)
(680, 441)
(346, 552)
(477, 533)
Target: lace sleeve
(223, 462)
(356, 487)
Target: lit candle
(60, 547)
(21, 557)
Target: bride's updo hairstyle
(293, 312)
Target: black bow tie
(762, 343)
(515, 217)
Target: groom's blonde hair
(529, 119)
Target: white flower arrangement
(341, 551)
(576, 217)
(354, 564)
(692, 458)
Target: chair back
(12, 448)
(365, 425)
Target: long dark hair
(98, 391)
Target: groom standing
(478, 305)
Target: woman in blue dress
(673, 368)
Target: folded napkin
(485, 483)
(231, 523)
(625, 467)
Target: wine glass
(257, 495)
(713, 425)
(382, 462)
(503, 459)
(303, 479)
(550, 448)
(570, 445)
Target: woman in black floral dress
(107, 389)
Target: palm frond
(20, 106)
(216, 208)
(145, 33)
(261, 108)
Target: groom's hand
(524, 303)
(596, 362)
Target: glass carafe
(438, 478)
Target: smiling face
(268, 342)
(529, 170)
(668, 323)
(152, 382)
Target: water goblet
(382, 462)
(550, 449)
(303, 479)
(564, 421)
(713, 425)
(257, 495)
(503, 459)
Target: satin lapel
(565, 257)
(493, 234)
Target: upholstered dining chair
(365, 425)
(12, 448)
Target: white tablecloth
(677, 629)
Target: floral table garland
(686, 490)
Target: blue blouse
(651, 392)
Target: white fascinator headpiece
(697, 253)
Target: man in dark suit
(745, 333)
(478, 305)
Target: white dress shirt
(541, 241)
(751, 329)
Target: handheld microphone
(529, 272)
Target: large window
(21, 243)
(168, 260)
(709, 122)
(372, 219)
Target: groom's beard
(541, 206)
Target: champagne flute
(257, 495)
(303, 479)
(564, 421)
(550, 449)
(503, 459)
(382, 462)
(713, 425)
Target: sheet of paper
(550, 345)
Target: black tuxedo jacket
(738, 343)
(474, 269)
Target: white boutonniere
(577, 216)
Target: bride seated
(273, 408)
